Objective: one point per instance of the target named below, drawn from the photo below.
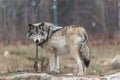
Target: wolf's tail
(86, 62)
(84, 49)
(85, 54)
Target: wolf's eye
(42, 33)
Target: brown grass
(21, 59)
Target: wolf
(56, 41)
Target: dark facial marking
(42, 33)
(37, 30)
(48, 31)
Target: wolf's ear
(41, 25)
(30, 26)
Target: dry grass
(21, 59)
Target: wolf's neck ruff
(50, 35)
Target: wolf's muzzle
(37, 41)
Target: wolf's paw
(57, 71)
(80, 74)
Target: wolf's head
(39, 32)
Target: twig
(36, 59)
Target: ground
(20, 58)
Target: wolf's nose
(37, 41)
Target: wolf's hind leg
(80, 65)
(75, 54)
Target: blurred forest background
(99, 17)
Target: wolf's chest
(60, 44)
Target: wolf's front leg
(56, 65)
(51, 61)
(54, 62)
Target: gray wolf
(71, 40)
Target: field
(20, 58)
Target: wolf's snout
(37, 41)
